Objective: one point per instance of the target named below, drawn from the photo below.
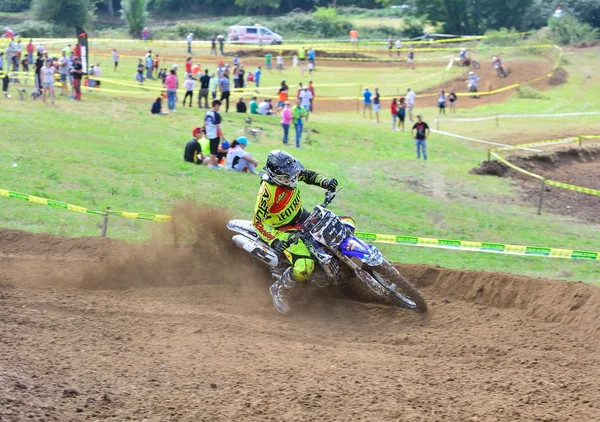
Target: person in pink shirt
(286, 119)
(171, 84)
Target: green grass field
(109, 151)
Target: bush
(135, 13)
(530, 93)
(37, 29)
(569, 29)
(179, 31)
(330, 23)
(65, 12)
(413, 27)
(501, 37)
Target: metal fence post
(105, 223)
(542, 189)
(580, 141)
(497, 120)
(358, 99)
(437, 123)
(489, 155)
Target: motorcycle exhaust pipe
(257, 249)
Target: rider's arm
(262, 210)
(311, 178)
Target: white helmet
(463, 49)
(471, 73)
(494, 58)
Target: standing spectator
(398, 47)
(140, 72)
(213, 45)
(19, 50)
(411, 55)
(2, 62)
(225, 87)
(68, 49)
(305, 97)
(376, 104)
(236, 60)
(149, 65)
(311, 88)
(269, 60)
(30, 50)
(63, 71)
(452, 100)
(286, 119)
(212, 126)
(253, 106)
(156, 63)
(115, 59)
(312, 55)
(442, 102)
(282, 95)
(145, 34)
(354, 36)
(420, 132)
(189, 38)
(240, 106)
(367, 103)
(221, 40)
(204, 86)
(401, 113)
(241, 73)
(40, 49)
(157, 107)
(279, 63)
(299, 113)
(257, 73)
(189, 85)
(25, 69)
(188, 67)
(171, 84)
(238, 159)
(295, 60)
(410, 101)
(394, 111)
(212, 86)
(300, 88)
(98, 74)
(390, 46)
(48, 81)
(302, 58)
(39, 64)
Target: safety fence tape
(467, 138)
(519, 116)
(514, 167)
(575, 188)
(535, 144)
(49, 202)
(480, 246)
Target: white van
(253, 35)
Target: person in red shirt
(155, 64)
(311, 88)
(394, 111)
(30, 50)
(77, 51)
(188, 67)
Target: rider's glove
(279, 245)
(329, 184)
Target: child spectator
(239, 159)
(240, 106)
(193, 149)
(452, 100)
(189, 85)
(157, 107)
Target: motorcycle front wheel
(399, 290)
(475, 64)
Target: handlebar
(329, 197)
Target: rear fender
(244, 227)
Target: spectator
(279, 63)
(204, 87)
(286, 119)
(311, 67)
(225, 87)
(149, 65)
(236, 77)
(239, 159)
(240, 106)
(394, 111)
(236, 60)
(269, 60)
(452, 100)
(48, 81)
(189, 38)
(19, 50)
(298, 113)
(398, 47)
(2, 61)
(253, 106)
(367, 103)
(312, 56)
(411, 55)
(390, 46)
(282, 95)
(213, 45)
(257, 73)
(171, 84)
(188, 67)
(145, 34)
(410, 101)
(189, 85)
(156, 64)
(115, 59)
(39, 64)
(212, 126)
(442, 102)
(212, 86)
(295, 60)
(263, 108)
(420, 132)
(305, 97)
(5, 84)
(221, 40)
(157, 107)
(376, 104)
(162, 75)
(30, 50)
(140, 72)
(193, 149)
(241, 73)
(311, 88)
(302, 58)
(401, 113)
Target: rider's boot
(279, 291)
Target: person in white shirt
(189, 38)
(305, 97)
(115, 58)
(238, 159)
(410, 101)
(48, 80)
(398, 46)
(263, 108)
(295, 60)
(279, 63)
(189, 85)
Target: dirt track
(93, 329)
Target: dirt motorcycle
(500, 71)
(467, 62)
(339, 256)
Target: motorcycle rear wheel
(475, 64)
(400, 291)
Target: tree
(258, 5)
(66, 12)
(135, 13)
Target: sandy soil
(183, 330)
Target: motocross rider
(463, 55)
(279, 213)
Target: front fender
(367, 254)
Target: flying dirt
(182, 328)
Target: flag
(82, 41)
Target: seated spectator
(240, 160)
(263, 108)
(193, 149)
(241, 106)
(253, 106)
(222, 152)
(157, 106)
